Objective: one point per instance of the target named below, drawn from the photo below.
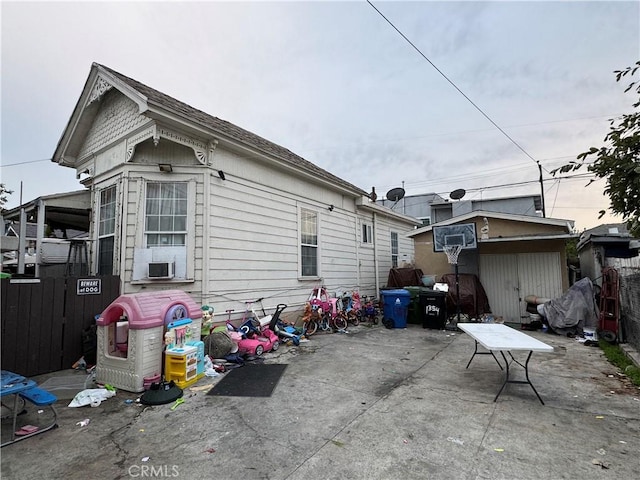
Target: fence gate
(43, 319)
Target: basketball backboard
(461, 234)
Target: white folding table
(497, 337)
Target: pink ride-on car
(257, 341)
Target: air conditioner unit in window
(160, 270)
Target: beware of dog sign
(90, 286)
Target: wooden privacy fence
(43, 320)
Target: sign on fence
(91, 286)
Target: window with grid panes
(308, 243)
(106, 230)
(166, 214)
(394, 249)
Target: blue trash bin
(396, 306)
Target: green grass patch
(617, 357)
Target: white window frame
(172, 232)
(302, 212)
(143, 255)
(366, 234)
(110, 230)
(395, 248)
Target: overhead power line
(525, 182)
(453, 84)
(24, 163)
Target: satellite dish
(458, 194)
(395, 194)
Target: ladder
(77, 259)
(608, 320)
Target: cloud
(335, 83)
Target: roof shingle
(232, 131)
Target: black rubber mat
(249, 381)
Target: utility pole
(544, 213)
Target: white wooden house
(182, 199)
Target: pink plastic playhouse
(131, 336)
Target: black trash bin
(433, 309)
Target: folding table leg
(526, 372)
(476, 352)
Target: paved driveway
(372, 404)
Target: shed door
(499, 277)
(509, 278)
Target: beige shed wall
(435, 263)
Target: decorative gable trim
(202, 151)
(199, 148)
(100, 87)
(140, 137)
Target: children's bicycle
(332, 320)
(370, 310)
(352, 308)
(325, 314)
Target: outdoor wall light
(221, 175)
(165, 167)
(330, 208)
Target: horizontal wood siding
(254, 245)
(132, 222)
(384, 227)
(185, 168)
(245, 231)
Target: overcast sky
(335, 83)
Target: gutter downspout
(375, 253)
(206, 240)
(358, 261)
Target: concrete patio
(371, 404)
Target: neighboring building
(182, 199)
(12, 229)
(607, 245)
(529, 205)
(432, 208)
(10, 257)
(418, 206)
(61, 216)
(516, 256)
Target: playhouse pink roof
(148, 309)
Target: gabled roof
(568, 224)
(156, 104)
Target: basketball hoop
(452, 252)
